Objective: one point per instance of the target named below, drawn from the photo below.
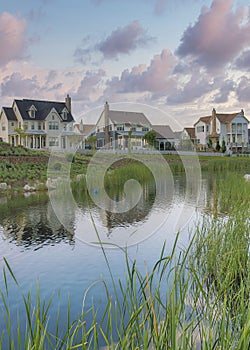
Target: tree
(217, 147)
(223, 146)
(91, 140)
(209, 144)
(150, 138)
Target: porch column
(33, 141)
(40, 141)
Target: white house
(38, 124)
(232, 128)
(115, 128)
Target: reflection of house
(232, 128)
(114, 129)
(38, 124)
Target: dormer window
(64, 114)
(32, 112)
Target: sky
(184, 57)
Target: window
(43, 125)
(64, 115)
(3, 128)
(200, 128)
(32, 126)
(207, 128)
(120, 127)
(39, 126)
(53, 141)
(53, 126)
(53, 117)
(133, 128)
(145, 128)
(32, 113)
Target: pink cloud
(156, 78)
(218, 36)
(12, 38)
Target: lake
(69, 261)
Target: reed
(193, 298)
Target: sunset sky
(182, 56)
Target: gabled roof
(163, 131)
(9, 113)
(205, 120)
(87, 128)
(222, 117)
(42, 109)
(120, 117)
(226, 118)
(191, 132)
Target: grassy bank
(19, 166)
(196, 297)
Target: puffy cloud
(243, 61)
(217, 37)
(89, 86)
(12, 38)
(226, 87)
(124, 40)
(52, 74)
(156, 78)
(197, 86)
(243, 89)
(18, 86)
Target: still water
(67, 261)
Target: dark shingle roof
(42, 109)
(9, 113)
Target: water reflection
(32, 222)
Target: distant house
(84, 131)
(114, 129)
(165, 137)
(232, 128)
(38, 124)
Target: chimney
(242, 112)
(213, 121)
(68, 103)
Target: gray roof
(9, 113)
(119, 117)
(163, 131)
(87, 128)
(42, 109)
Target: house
(114, 129)
(165, 137)
(84, 131)
(38, 124)
(232, 128)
